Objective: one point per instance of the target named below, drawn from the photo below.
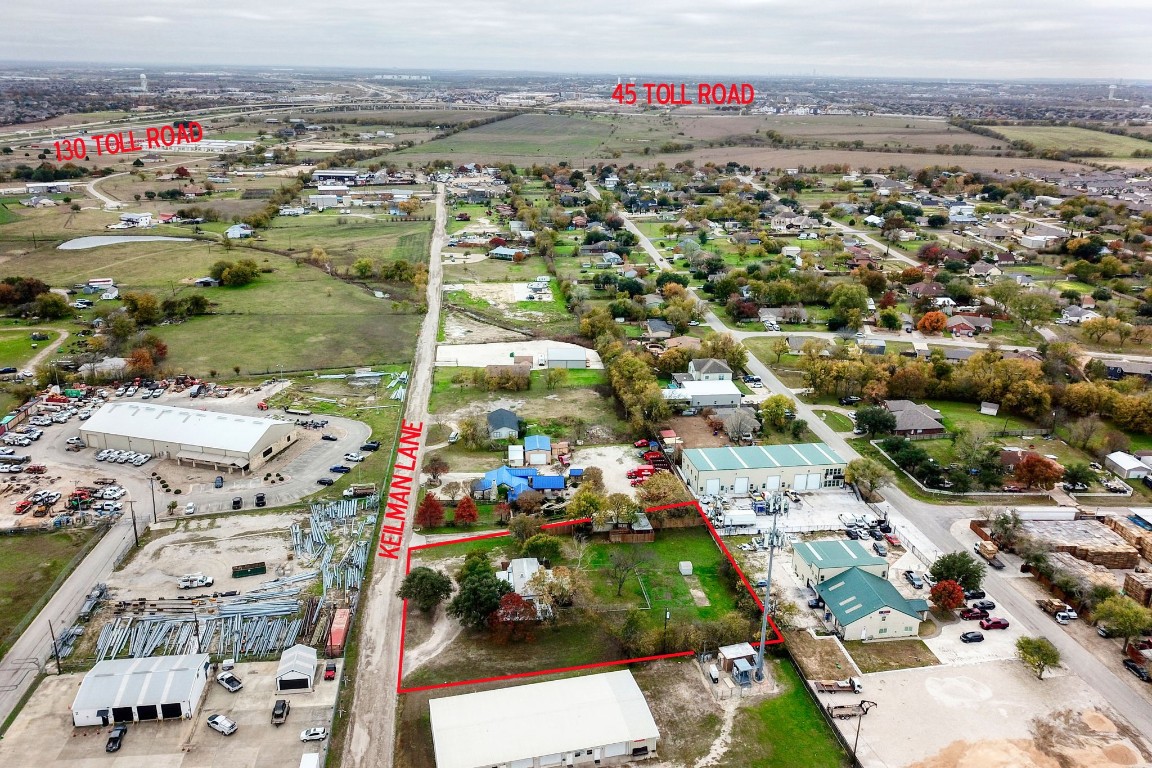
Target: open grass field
(1060, 137)
(30, 564)
(346, 238)
(16, 348)
(875, 131)
(493, 270)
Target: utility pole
(864, 707)
(55, 647)
(152, 488)
(772, 543)
(132, 512)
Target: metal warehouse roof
(762, 456)
(854, 594)
(153, 680)
(521, 722)
(840, 553)
(207, 429)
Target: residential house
(136, 219)
(1004, 258)
(658, 329)
(238, 232)
(968, 325)
(709, 369)
(983, 269)
(505, 253)
(691, 343)
(962, 214)
(503, 424)
(864, 606)
(926, 288)
(914, 418)
(1118, 369)
(1076, 315)
(701, 394)
(653, 301)
(1087, 301)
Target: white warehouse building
(151, 688)
(591, 720)
(737, 470)
(201, 438)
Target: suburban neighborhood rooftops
(753, 456)
(502, 418)
(517, 723)
(838, 553)
(854, 594)
(709, 366)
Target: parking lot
(43, 734)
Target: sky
(979, 39)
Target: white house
(136, 219)
(864, 606)
(709, 369)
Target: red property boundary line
(777, 639)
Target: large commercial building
(151, 688)
(590, 720)
(818, 561)
(201, 438)
(737, 470)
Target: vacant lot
(890, 654)
(31, 563)
(1074, 139)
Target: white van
(310, 760)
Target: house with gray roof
(914, 418)
(503, 424)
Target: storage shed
(151, 688)
(297, 670)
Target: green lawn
(785, 731)
(837, 421)
(1071, 138)
(16, 347)
(966, 415)
(31, 564)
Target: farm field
(16, 347)
(1070, 138)
(30, 564)
(875, 131)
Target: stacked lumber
(1138, 586)
(1087, 540)
(1083, 572)
(1133, 534)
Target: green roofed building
(863, 606)
(737, 470)
(817, 561)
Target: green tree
(1037, 653)
(472, 433)
(479, 593)
(1079, 474)
(143, 307)
(425, 587)
(724, 347)
(868, 475)
(960, 567)
(586, 503)
(846, 297)
(555, 377)
(780, 348)
(363, 268)
(52, 306)
(875, 420)
(543, 547)
(774, 411)
(1006, 527)
(524, 527)
(1124, 617)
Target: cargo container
(338, 634)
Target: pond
(82, 243)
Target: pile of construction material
(1083, 572)
(1138, 586)
(1141, 538)
(1088, 540)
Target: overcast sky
(996, 39)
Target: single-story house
(238, 232)
(701, 394)
(914, 418)
(817, 561)
(503, 424)
(984, 269)
(1126, 465)
(1076, 314)
(925, 288)
(864, 606)
(968, 324)
(1118, 369)
(659, 329)
(682, 342)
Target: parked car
(1104, 631)
(816, 602)
(330, 670)
(219, 481)
(852, 533)
(340, 469)
(371, 445)
(994, 623)
(354, 457)
(261, 500)
(237, 503)
(190, 508)
(116, 738)
(850, 400)
(314, 734)
(230, 682)
(914, 580)
(326, 481)
(973, 614)
(327, 436)
(892, 539)
(1137, 669)
(876, 534)
(880, 549)
(972, 637)
(986, 605)
(280, 711)
(222, 724)
(929, 581)
(974, 594)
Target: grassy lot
(786, 731)
(966, 415)
(890, 654)
(346, 238)
(447, 396)
(1069, 138)
(16, 348)
(494, 270)
(30, 564)
(837, 421)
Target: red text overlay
(674, 94)
(400, 491)
(127, 141)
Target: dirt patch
(460, 328)
(1018, 753)
(688, 717)
(697, 593)
(696, 433)
(1098, 722)
(819, 658)
(886, 655)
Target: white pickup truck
(194, 580)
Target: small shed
(297, 670)
(515, 455)
(989, 409)
(730, 654)
(1126, 465)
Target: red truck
(642, 471)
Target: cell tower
(143, 83)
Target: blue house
(549, 484)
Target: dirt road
(372, 726)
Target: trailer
(298, 411)
(249, 569)
(1058, 610)
(851, 685)
(988, 551)
(845, 711)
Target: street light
(864, 707)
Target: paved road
(372, 726)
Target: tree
(479, 594)
(465, 514)
(868, 475)
(960, 567)
(846, 297)
(436, 466)
(430, 513)
(52, 306)
(661, 489)
(529, 502)
(1079, 474)
(513, 617)
(586, 503)
(556, 377)
(1034, 469)
(798, 427)
(947, 595)
(624, 562)
(425, 587)
(740, 423)
(875, 420)
(1033, 307)
(543, 547)
(524, 527)
(1006, 527)
(723, 347)
(473, 434)
(1037, 653)
(932, 322)
(774, 410)
(780, 348)
(593, 478)
(1124, 617)
(363, 267)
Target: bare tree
(624, 562)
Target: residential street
(372, 725)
